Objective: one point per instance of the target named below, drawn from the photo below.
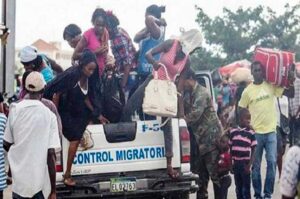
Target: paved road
(231, 191)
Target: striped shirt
(2, 160)
(294, 102)
(241, 142)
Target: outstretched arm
(163, 47)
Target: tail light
(185, 144)
(58, 163)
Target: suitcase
(276, 63)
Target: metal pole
(3, 50)
(9, 67)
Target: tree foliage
(234, 35)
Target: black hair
(190, 74)
(87, 57)
(37, 62)
(256, 63)
(112, 20)
(242, 112)
(155, 10)
(71, 30)
(99, 12)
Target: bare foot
(172, 173)
(69, 181)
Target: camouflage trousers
(207, 166)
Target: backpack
(113, 96)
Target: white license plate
(122, 184)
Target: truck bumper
(154, 187)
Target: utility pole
(7, 62)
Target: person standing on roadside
(2, 159)
(31, 137)
(283, 129)
(294, 111)
(242, 148)
(259, 98)
(290, 177)
(206, 129)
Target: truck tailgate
(145, 152)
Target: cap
(35, 82)
(190, 40)
(28, 54)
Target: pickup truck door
(204, 79)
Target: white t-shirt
(32, 130)
(284, 106)
(289, 175)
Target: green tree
(234, 35)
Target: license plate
(122, 184)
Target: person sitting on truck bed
(72, 34)
(175, 58)
(206, 128)
(76, 92)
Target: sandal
(68, 181)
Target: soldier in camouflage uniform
(205, 129)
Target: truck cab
(127, 160)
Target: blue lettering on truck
(119, 155)
(151, 127)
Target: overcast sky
(46, 19)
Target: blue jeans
(269, 143)
(242, 180)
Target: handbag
(284, 121)
(160, 97)
(86, 141)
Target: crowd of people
(104, 88)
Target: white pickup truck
(128, 161)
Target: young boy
(242, 146)
(224, 165)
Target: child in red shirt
(224, 165)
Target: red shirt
(225, 160)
